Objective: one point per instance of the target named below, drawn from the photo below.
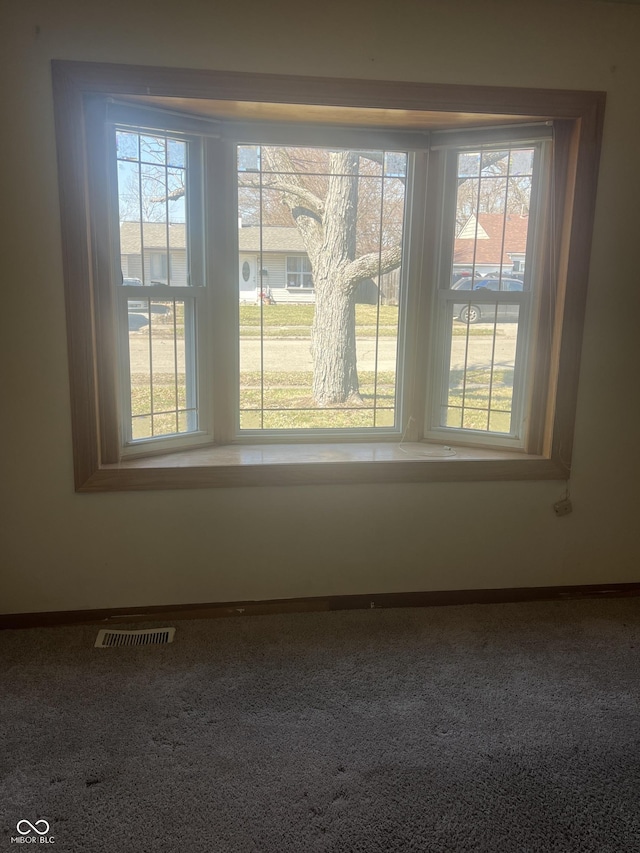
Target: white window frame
(432, 287)
(443, 298)
(195, 296)
(248, 134)
(91, 312)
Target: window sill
(318, 464)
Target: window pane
(480, 382)
(161, 375)
(468, 165)
(318, 346)
(521, 162)
(153, 149)
(494, 163)
(395, 164)
(492, 216)
(176, 153)
(152, 198)
(127, 145)
(248, 158)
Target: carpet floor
(479, 728)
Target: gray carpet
(480, 728)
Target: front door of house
(248, 282)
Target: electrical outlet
(563, 507)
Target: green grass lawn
(294, 321)
(292, 390)
(285, 397)
(287, 401)
(288, 404)
(484, 398)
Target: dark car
(456, 275)
(486, 312)
(505, 274)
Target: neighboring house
(491, 250)
(167, 268)
(286, 271)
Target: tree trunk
(328, 230)
(335, 372)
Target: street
(282, 354)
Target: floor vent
(147, 637)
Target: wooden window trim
(578, 117)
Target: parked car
(137, 321)
(135, 304)
(486, 312)
(505, 274)
(142, 305)
(456, 275)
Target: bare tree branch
(279, 161)
(488, 158)
(304, 196)
(172, 196)
(309, 215)
(372, 264)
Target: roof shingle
(489, 243)
(275, 238)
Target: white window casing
(212, 253)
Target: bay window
(419, 277)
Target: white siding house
(272, 259)
(163, 248)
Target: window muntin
(485, 303)
(474, 391)
(346, 208)
(481, 371)
(162, 400)
(152, 205)
(156, 329)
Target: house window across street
(299, 272)
(159, 266)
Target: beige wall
(64, 550)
